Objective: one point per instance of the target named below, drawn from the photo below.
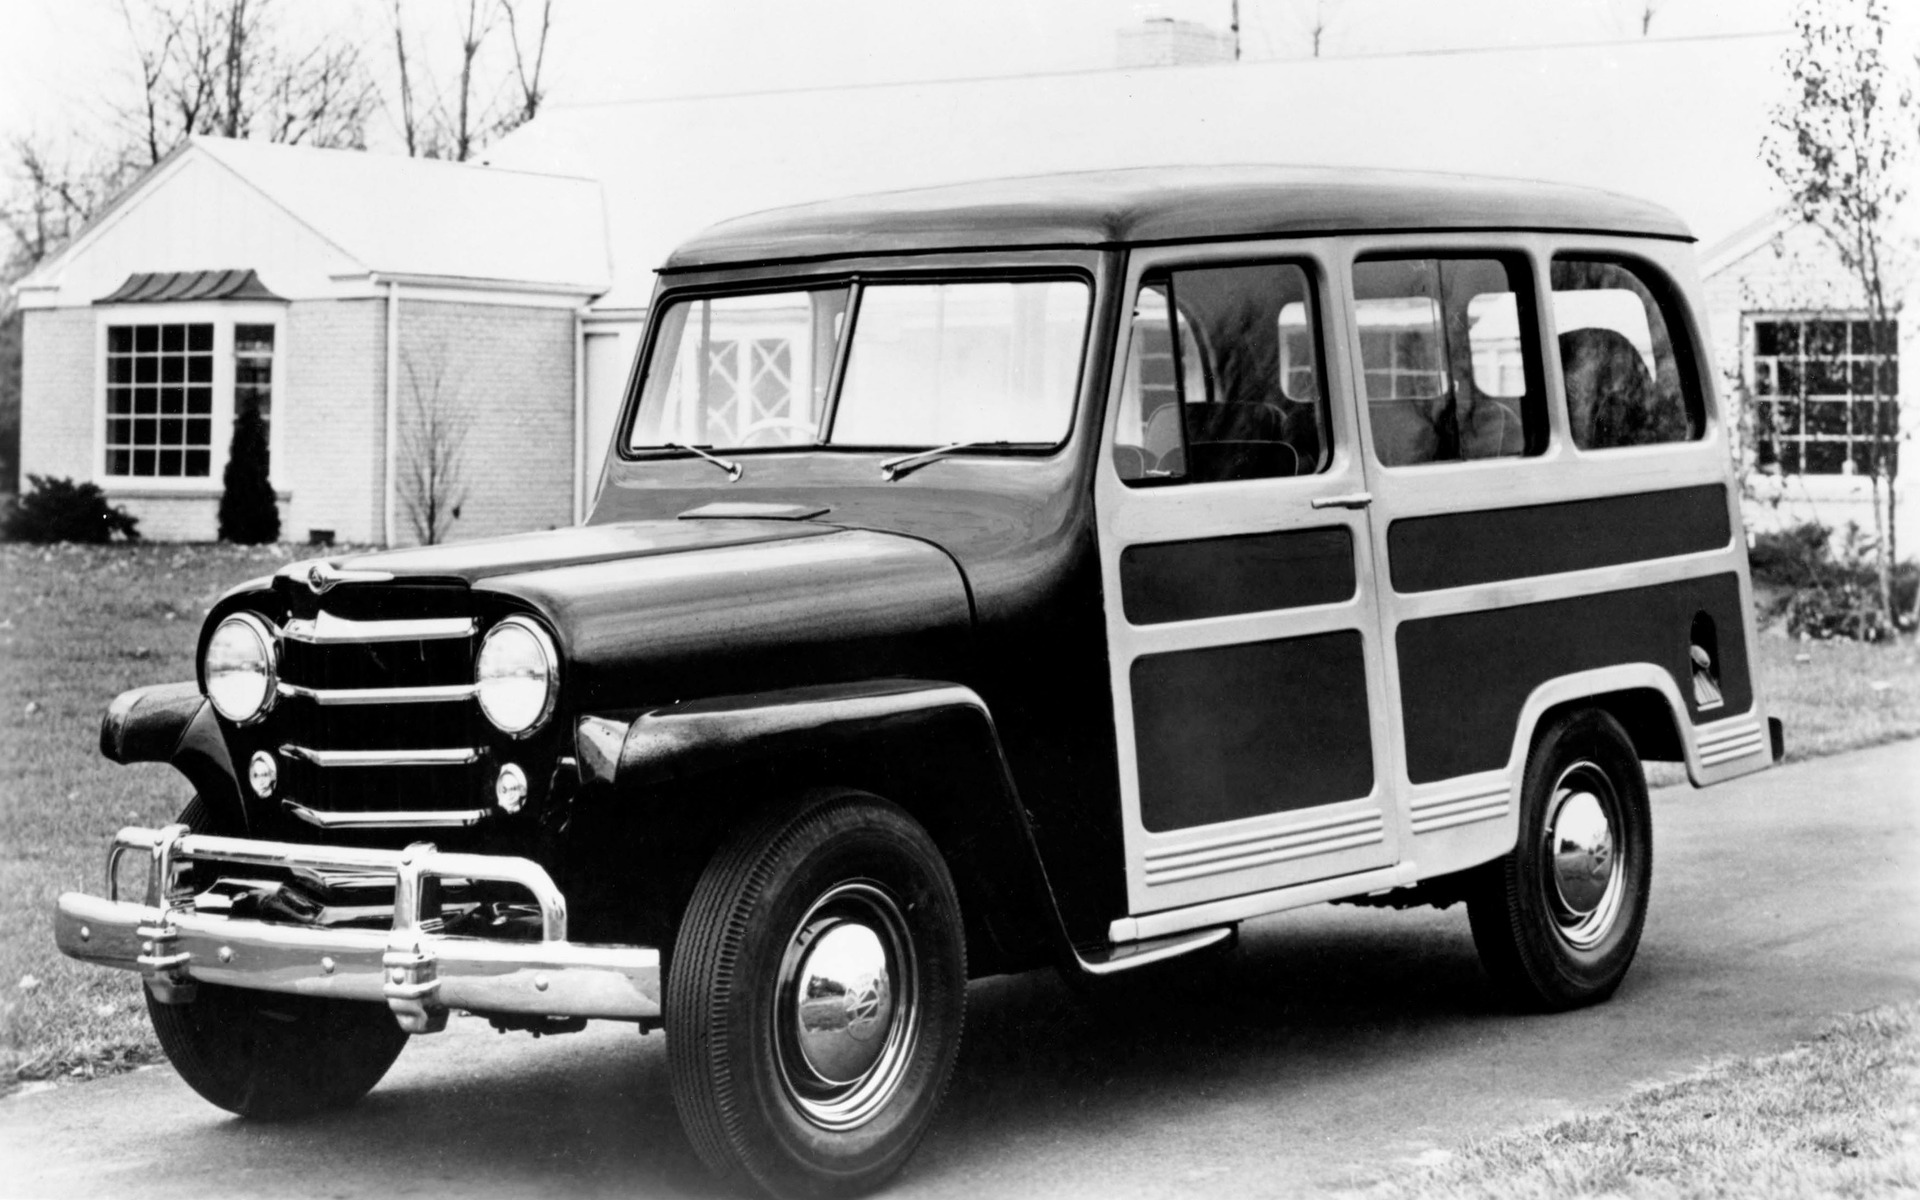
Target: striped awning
(160, 286)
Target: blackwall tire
(1558, 919)
(270, 1056)
(815, 997)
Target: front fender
(929, 746)
(173, 723)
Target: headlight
(518, 674)
(241, 669)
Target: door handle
(1350, 500)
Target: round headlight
(517, 676)
(240, 667)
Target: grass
(77, 626)
(80, 624)
(1835, 1116)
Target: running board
(1128, 955)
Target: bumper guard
(418, 971)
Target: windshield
(930, 364)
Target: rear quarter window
(1626, 381)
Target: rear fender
(173, 723)
(929, 747)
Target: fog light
(263, 773)
(510, 790)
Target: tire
(270, 1056)
(1557, 932)
(845, 899)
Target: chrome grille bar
(325, 629)
(400, 819)
(456, 756)
(330, 697)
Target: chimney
(1165, 42)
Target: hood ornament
(322, 576)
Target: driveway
(1339, 1045)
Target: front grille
(376, 713)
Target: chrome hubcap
(1584, 865)
(846, 1014)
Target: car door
(1236, 557)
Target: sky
(63, 61)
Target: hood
(730, 615)
(470, 562)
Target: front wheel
(1558, 919)
(815, 997)
(271, 1056)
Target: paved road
(1351, 1043)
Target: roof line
(1109, 244)
(418, 160)
(197, 141)
(1077, 72)
(99, 220)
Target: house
(522, 240)
(410, 331)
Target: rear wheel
(815, 997)
(1557, 921)
(271, 1056)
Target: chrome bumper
(420, 973)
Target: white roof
(1675, 121)
(362, 213)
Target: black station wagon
(1050, 572)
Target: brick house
(370, 308)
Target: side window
(1450, 364)
(1624, 384)
(1222, 378)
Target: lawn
(80, 624)
(1836, 1116)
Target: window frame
(223, 316)
(1161, 273)
(1749, 322)
(1542, 421)
(1688, 355)
(855, 280)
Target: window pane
(738, 371)
(1824, 339)
(198, 462)
(173, 338)
(199, 400)
(119, 339)
(146, 370)
(1148, 440)
(1623, 380)
(1776, 338)
(146, 338)
(1827, 417)
(253, 339)
(932, 364)
(1447, 355)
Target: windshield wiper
(725, 464)
(894, 468)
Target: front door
(1236, 557)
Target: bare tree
(432, 477)
(1314, 17)
(1838, 145)
(487, 92)
(226, 67)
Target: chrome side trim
(455, 756)
(325, 629)
(1462, 807)
(398, 819)
(1129, 955)
(1732, 740)
(330, 697)
(419, 973)
(1238, 853)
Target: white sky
(60, 60)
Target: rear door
(1236, 555)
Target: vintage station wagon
(1049, 572)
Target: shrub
(55, 509)
(1836, 594)
(249, 513)
(1843, 609)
